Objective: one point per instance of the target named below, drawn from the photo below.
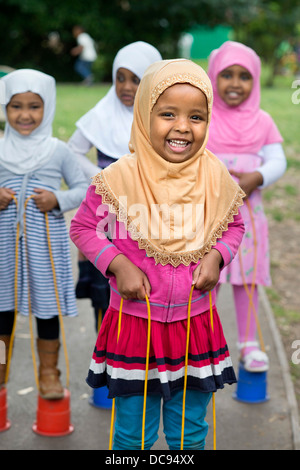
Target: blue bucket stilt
(99, 398)
(251, 386)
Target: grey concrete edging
(290, 392)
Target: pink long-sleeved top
(170, 286)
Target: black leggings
(46, 329)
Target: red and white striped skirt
(121, 364)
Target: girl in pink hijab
(247, 140)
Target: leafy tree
(25, 26)
(274, 22)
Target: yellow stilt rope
(213, 395)
(146, 372)
(146, 376)
(29, 299)
(100, 318)
(16, 299)
(250, 293)
(186, 366)
(62, 328)
(113, 402)
(186, 371)
(147, 369)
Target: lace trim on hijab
(163, 257)
(181, 78)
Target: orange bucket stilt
(4, 422)
(53, 417)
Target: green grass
(71, 103)
(278, 102)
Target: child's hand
(206, 275)
(248, 181)
(45, 200)
(131, 281)
(5, 197)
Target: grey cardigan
(62, 165)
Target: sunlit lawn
(72, 102)
(278, 102)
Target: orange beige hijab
(175, 211)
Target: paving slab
(272, 425)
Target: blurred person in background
(86, 54)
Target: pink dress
(252, 262)
(236, 136)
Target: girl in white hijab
(32, 165)
(107, 127)
(22, 154)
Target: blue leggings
(129, 413)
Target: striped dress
(34, 269)
(120, 363)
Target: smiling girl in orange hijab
(172, 212)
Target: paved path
(272, 425)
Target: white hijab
(108, 125)
(23, 154)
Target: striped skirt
(35, 282)
(121, 364)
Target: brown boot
(50, 386)
(6, 340)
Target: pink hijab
(245, 128)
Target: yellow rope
(58, 303)
(186, 366)
(100, 318)
(29, 299)
(146, 371)
(186, 369)
(113, 401)
(251, 292)
(16, 299)
(213, 395)
(146, 376)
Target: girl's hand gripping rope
(206, 274)
(131, 281)
(248, 181)
(6, 195)
(45, 200)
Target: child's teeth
(178, 143)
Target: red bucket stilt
(53, 417)
(4, 422)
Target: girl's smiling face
(126, 86)
(25, 112)
(178, 122)
(234, 85)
